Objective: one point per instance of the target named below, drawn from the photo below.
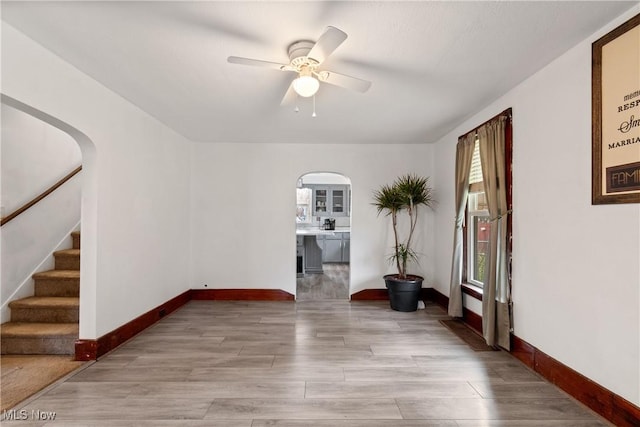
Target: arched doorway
(88, 212)
(323, 236)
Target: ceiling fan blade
(289, 97)
(258, 63)
(345, 81)
(326, 44)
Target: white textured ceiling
(432, 64)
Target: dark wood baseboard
(601, 400)
(241, 295)
(370, 295)
(523, 351)
(382, 295)
(86, 350)
(577, 385)
(625, 413)
(93, 349)
(472, 319)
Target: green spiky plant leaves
(405, 195)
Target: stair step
(67, 259)
(75, 236)
(45, 309)
(38, 338)
(47, 323)
(57, 283)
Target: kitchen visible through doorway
(323, 236)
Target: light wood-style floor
(285, 364)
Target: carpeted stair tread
(46, 309)
(41, 330)
(67, 252)
(46, 302)
(67, 259)
(58, 274)
(38, 338)
(57, 283)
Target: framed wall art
(616, 115)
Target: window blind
(475, 176)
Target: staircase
(47, 323)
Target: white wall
(231, 183)
(576, 275)
(135, 246)
(35, 155)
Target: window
(478, 226)
(303, 208)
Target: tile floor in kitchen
(314, 363)
(333, 283)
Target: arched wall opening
(323, 236)
(88, 213)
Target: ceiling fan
(305, 59)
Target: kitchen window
(303, 206)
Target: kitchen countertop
(317, 231)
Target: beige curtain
(496, 324)
(464, 155)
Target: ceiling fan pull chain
(314, 106)
(296, 109)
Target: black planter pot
(404, 294)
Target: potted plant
(404, 196)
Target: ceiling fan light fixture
(305, 59)
(306, 86)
